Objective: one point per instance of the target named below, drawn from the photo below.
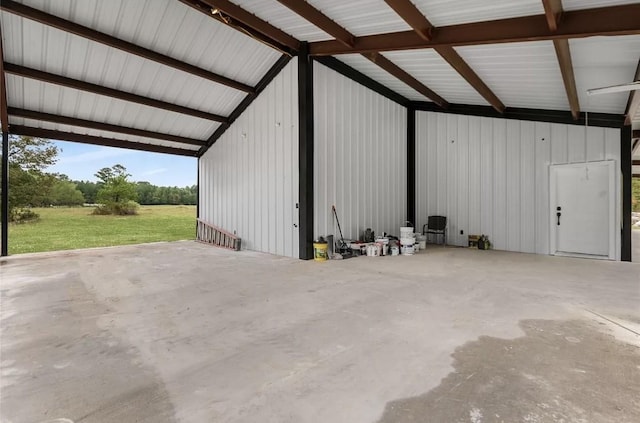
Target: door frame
(614, 215)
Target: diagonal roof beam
(236, 12)
(82, 31)
(66, 120)
(633, 104)
(320, 20)
(396, 71)
(563, 52)
(412, 16)
(90, 139)
(4, 116)
(326, 24)
(109, 92)
(614, 20)
(207, 10)
(553, 13)
(421, 25)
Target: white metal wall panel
(491, 175)
(360, 157)
(520, 74)
(447, 12)
(172, 28)
(603, 61)
(249, 177)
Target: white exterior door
(583, 204)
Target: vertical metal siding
(360, 157)
(249, 177)
(491, 176)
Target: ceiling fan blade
(631, 86)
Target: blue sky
(82, 161)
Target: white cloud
(155, 171)
(91, 156)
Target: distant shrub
(23, 215)
(125, 208)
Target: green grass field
(70, 228)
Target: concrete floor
(182, 332)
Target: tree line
(31, 186)
(147, 193)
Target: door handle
(558, 214)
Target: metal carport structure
(172, 76)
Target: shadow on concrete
(560, 371)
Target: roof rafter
(421, 25)
(66, 120)
(4, 116)
(110, 92)
(251, 20)
(614, 20)
(412, 16)
(633, 104)
(90, 139)
(320, 20)
(553, 13)
(396, 71)
(82, 31)
(326, 24)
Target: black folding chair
(436, 225)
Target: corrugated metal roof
(447, 12)
(604, 61)
(378, 74)
(92, 132)
(432, 70)
(520, 74)
(591, 4)
(362, 17)
(171, 28)
(44, 48)
(282, 17)
(49, 98)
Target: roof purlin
(326, 24)
(110, 92)
(90, 139)
(410, 14)
(93, 35)
(101, 126)
(614, 20)
(553, 12)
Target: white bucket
(372, 250)
(395, 250)
(407, 250)
(407, 241)
(422, 241)
(406, 232)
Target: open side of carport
(391, 114)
